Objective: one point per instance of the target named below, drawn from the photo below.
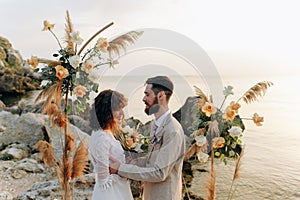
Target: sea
(270, 166)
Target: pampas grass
(256, 91)
(80, 161)
(203, 97)
(122, 42)
(236, 174)
(46, 153)
(69, 30)
(211, 186)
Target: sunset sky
(241, 37)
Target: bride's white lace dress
(108, 186)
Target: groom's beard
(153, 108)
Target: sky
(257, 37)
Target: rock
(25, 129)
(188, 114)
(6, 196)
(51, 190)
(80, 123)
(15, 152)
(18, 174)
(2, 105)
(14, 76)
(29, 165)
(30, 128)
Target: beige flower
(235, 131)
(33, 61)
(47, 26)
(102, 44)
(87, 66)
(218, 142)
(208, 109)
(61, 72)
(229, 114)
(80, 90)
(257, 119)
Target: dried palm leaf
(83, 47)
(203, 97)
(69, 30)
(64, 172)
(80, 161)
(236, 174)
(211, 186)
(190, 152)
(46, 152)
(238, 165)
(123, 41)
(52, 93)
(256, 91)
(59, 119)
(50, 63)
(70, 141)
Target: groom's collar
(160, 120)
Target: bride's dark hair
(102, 109)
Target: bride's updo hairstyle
(102, 109)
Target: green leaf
(217, 154)
(231, 153)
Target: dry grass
(256, 91)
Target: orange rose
(229, 114)
(218, 142)
(61, 72)
(208, 109)
(235, 106)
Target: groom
(162, 168)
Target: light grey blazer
(162, 172)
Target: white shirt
(160, 120)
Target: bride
(107, 110)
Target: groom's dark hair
(161, 83)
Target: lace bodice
(101, 146)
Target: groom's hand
(114, 165)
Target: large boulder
(14, 76)
(29, 128)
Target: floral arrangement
(73, 74)
(221, 130)
(135, 144)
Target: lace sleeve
(100, 156)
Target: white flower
(94, 75)
(76, 38)
(200, 140)
(138, 148)
(127, 129)
(235, 131)
(228, 90)
(74, 61)
(44, 83)
(202, 157)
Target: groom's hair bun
(162, 81)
